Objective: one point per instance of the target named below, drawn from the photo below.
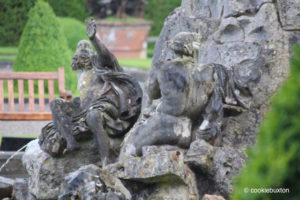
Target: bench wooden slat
(11, 97)
(25, 116)
(31, 95)
(1, 96)
(51, 90)
(21, 77)
(41, 95)
(61, 80)
(21, 94)
(29, 75)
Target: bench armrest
(67, 95)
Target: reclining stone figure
(108, 106)
(183, 91)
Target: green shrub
(74, 31)
(157, 11)
(43, 46)
(14, 14)
(70, 8)
(274, 161)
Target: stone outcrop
(216, 64)
(6, 187)
(253, 40)
(46, 173)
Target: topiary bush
(274, 161)
(74, 31)
(43, 46)
(157, 11)
(14, 14)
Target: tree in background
(74, 31)
(274, 161)
(118, 8)
(14, 14)
(157, 11)
(70, 8)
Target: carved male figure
(108, 106)
(184, 91)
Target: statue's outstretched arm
(107, 58)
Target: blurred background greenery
(274, 162)
(41, 35)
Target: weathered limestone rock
(90, 182)
(164, 172)
(201, 155)
(46, 173)
(289, 12)
(20, 190)
(221, 164)
(216, 65)
(252, 41)
(6, 187)
(212, 197)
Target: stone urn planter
(125, 39)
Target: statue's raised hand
(90, 28)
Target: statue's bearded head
(82, 59)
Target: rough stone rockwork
(252, 40)
(216, 64)
(46, 173)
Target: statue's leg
(159, 129)
(62, 119)
(95, 121)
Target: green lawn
(7, 58)
(8, 53)
(131, 20)
(8, 50)
(138, 63)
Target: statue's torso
(185, 89)
(89, 87)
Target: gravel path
(21, 128)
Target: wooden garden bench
(27, 110)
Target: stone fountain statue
(108, 106)
(191, 99)
(215, 66)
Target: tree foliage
(274, 161)
(14, 14)
(70, 8)
(157, 11)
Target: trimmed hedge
(74, 31)
(43, 46)
(157, 11)
(14, 14)
(274, 161)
